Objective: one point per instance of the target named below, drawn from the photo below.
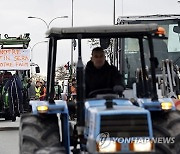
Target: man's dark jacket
(103, 78)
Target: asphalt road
(9, 137)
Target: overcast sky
(14, 19)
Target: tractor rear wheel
(166, 129)
(38, 132)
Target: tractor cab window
(165, 48)
(170, 47)
(132, 60)
(173, 39)
(132, 56)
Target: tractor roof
(155, 17)
(115, 31)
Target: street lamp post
(72, 41)
(31, 62)
(34, 46)
(47, 24)
(114, 13)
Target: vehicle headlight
(42, 109)
(166, 105)
(108, 146)
(144, 146)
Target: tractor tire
(167, 125)
(51, 150)
(174, 126)
(37, 132)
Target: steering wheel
(100, 91)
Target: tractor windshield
(163, 48)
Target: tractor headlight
(108, 146)
(145, 146)
(42, 109)
(166, 105)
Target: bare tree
(61, 72)
(93, 42)
(65, 71)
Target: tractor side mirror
(37, 69)
(176, 29)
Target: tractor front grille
(128, 125)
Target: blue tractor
(107, 123)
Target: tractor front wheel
(37, 132)
(166, 129)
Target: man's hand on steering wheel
(100, 91)
(118, 89)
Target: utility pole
(114, 12)
(72, 41)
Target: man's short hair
(97, 49)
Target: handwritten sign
(14, 59)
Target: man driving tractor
(100, 75)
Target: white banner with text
(14, 59)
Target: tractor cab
(166, 50)
(106, 123)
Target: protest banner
(14, 59)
